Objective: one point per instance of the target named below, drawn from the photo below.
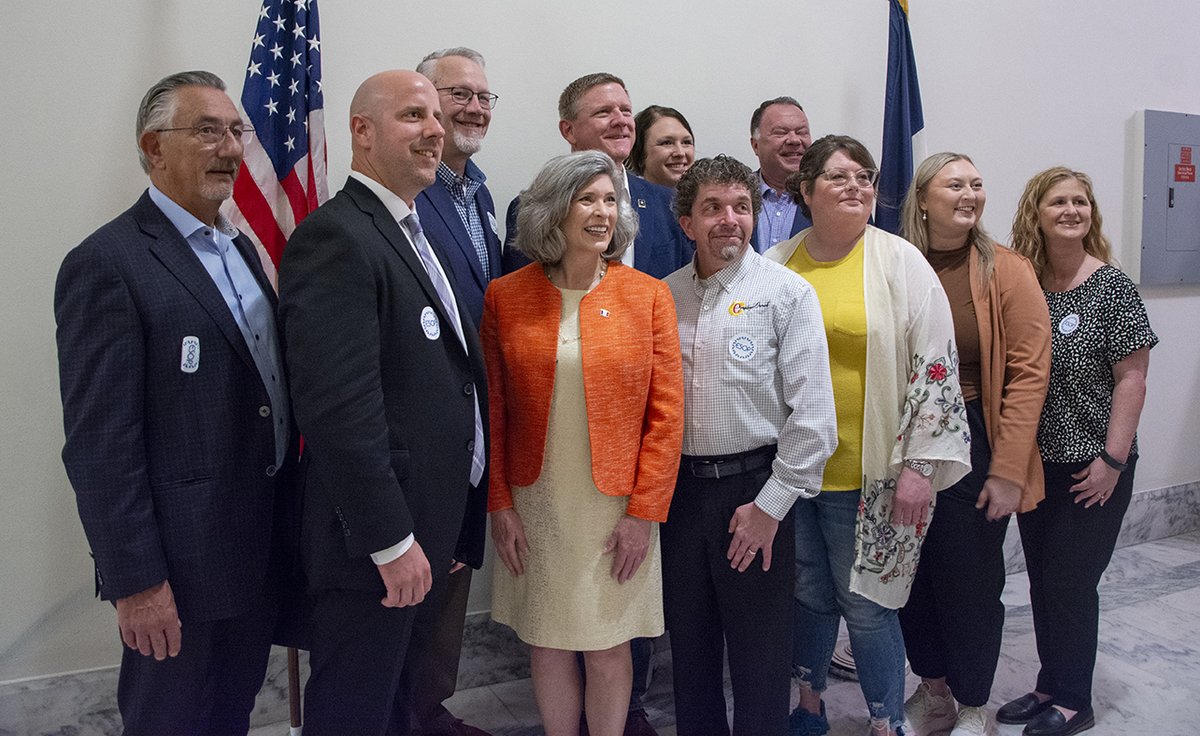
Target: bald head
(395, 131)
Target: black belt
(725, 466)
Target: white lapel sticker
(492, 220)
(430, 324)
(1069, 324)
(742, 347)
(189, 356)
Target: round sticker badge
(1069, 324)
(742, 347)
(430, 324)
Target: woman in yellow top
(954, 618)
(902, 431)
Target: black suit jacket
(446, 232)
(174, 470)
(387, 412)
(660, 248)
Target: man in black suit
(178, 431)
(460, 223)
(388, 387)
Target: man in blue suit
(460, 223)
(595, 114)
(179, 441)
(779, 135)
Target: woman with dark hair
(663, 146)
(902, 432)
(1101, 341)
(954, 618)
(586, 405)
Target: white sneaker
(930, 715)
(974, 721)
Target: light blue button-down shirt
(776, 217)
(250, 307)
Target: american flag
(283, 175)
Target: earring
(924, 216)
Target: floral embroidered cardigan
(913, 407)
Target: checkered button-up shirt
(756, 372)
(462, 193)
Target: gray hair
(756, 117)
(568, 101)
(719, 170)
(428, 65)
(158, 106)
(545, 204)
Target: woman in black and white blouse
(1101, 340)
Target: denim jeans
(824, 554)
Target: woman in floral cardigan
(902, 432)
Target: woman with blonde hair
(954, 619)
(1087, 437)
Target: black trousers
(209, 688)
(358, 654)
(1067, 549)
(709, 605)
(434, 648)
(954, 619)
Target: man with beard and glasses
(179, 441)
(460, 222)
(759, 425)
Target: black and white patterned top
(1094, 326)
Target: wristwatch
(923, 467)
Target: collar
(396, 206)
(769, 192)
(185, 222)
(726, 277)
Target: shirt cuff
(776, 499)
(384, 556)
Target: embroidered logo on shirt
(430, 324)
(742, 347)
(189, 358)
(737, 308)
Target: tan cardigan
(1014, 342)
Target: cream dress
(567, 598)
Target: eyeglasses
(463, 96)
(210, 134)
(864, 178)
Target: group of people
(689, 395)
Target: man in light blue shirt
(179, 440)
(779, 135)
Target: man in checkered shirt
(759, 425)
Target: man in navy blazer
(460, 222)
(779, 135)
(178, 433)
(389, 390)
(595, 114)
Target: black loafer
(1053, 723)
(1022, 710)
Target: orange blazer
(632, 380)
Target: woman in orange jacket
(586, 392)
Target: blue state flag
(902, 119)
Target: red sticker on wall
(1185, 172)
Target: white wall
(1020, 85)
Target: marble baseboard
(84, 703)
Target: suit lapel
(642, 246)
(169, 247)
(399, 242)
(439, 197)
